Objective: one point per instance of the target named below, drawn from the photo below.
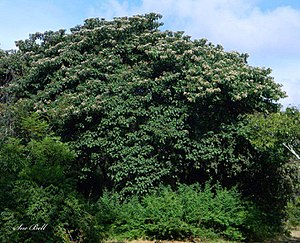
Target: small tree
(278, 134)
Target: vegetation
(120, 130)
(189, 212)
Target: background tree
(278, 134)
(10, 69)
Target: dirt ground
(296, 234)
(295, 238)
(157, 241)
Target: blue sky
(268, 30)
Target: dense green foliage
(37, 187)
(123, 106)
(142, 106)
(278, 135)
(188, 212)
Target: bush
(187, 212)
(216, 208)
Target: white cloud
(236, 24)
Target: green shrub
(181, 214)
(163, 216)
(214, 208)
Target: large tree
(142, 106)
